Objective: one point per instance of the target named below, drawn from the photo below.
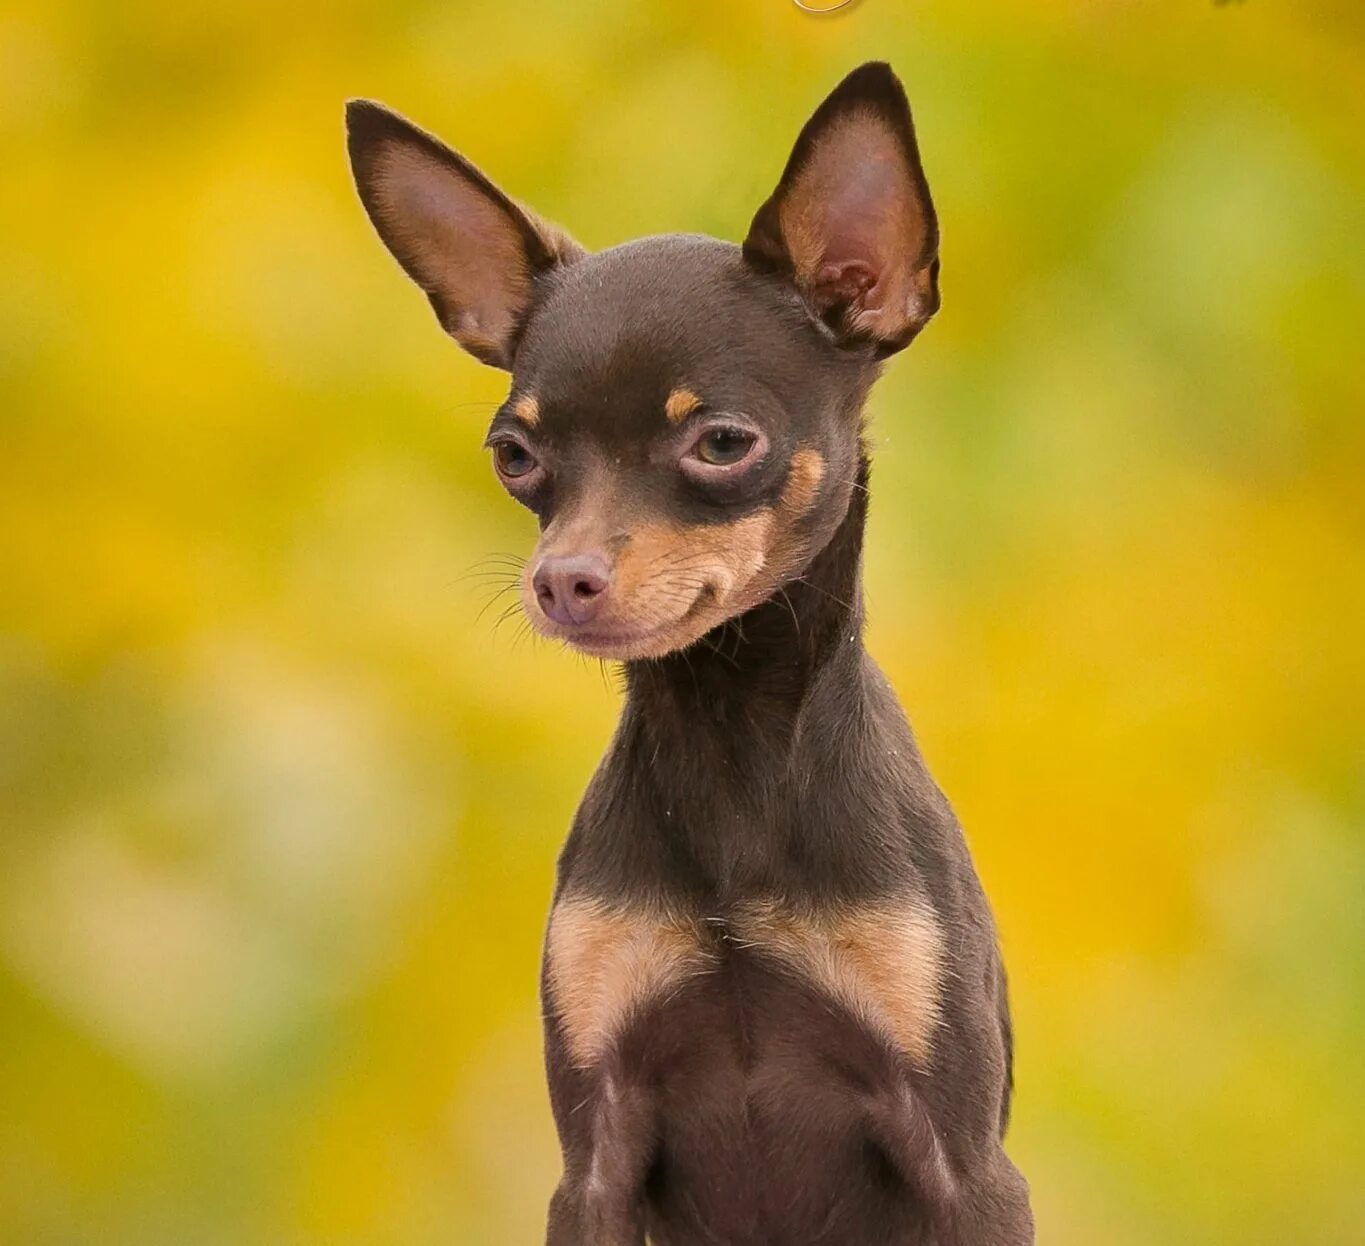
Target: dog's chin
(628, 646)
(635, 640)
(627, 642)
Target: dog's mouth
(663, 592)
(632, 637)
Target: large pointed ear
(851, 221)
(476, 253)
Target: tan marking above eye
(681, 403)
(527, 410)
(804, 475)
(883, 963)
(604, 963)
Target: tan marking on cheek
(673, 583)
(883, 964)
(723, 557)
(804, 475)
(739, 549)
(605, 963)
(681, 403)
(527, 410)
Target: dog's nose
(571, 587)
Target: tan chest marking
(883, 964)
(605, 963)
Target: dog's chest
(611, 967)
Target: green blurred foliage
(278, 809)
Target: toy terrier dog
(775, 1011)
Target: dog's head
(684, 413)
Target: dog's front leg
(986, 1205)
(601, 1199)
(991, 1208)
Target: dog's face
(684, 413)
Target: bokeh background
(278, 809)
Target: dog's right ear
(476, 253)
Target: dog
(775, 1009)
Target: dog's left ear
(851, 222)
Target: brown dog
(775, 1010)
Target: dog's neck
(728, 747)
(760, 667)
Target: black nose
(571, 587)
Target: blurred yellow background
(278, 809)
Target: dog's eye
(513, 460)
(721, 447)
